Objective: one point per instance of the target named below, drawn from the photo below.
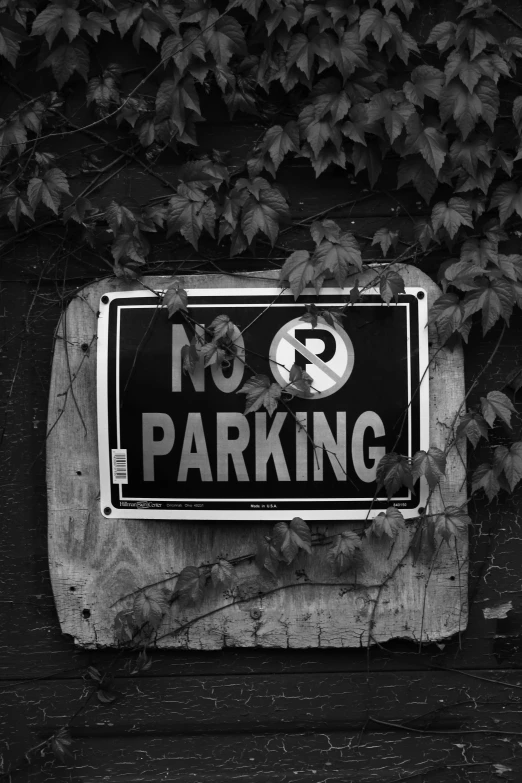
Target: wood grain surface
(98, 564)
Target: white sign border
(255, 514)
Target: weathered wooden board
(150, 704)
(208, 728)
(97, 564)
(335, 756)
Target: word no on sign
(178, 445)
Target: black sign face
(178, 445)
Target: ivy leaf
(54, 18)
(424, 233)
(423, 543)
(350, 54)
(414, 169)
(487, 92)
(94, 23)
(223, 36)
(290, 538)
(461, 274)
(103, 90)
(472, 426)
(514, 379)
(517, 112)
(425, 81)
(497, 405)
(329, 155)
(344, 551)
(260, 393)
(61, 745)
(479, 252)
(459, 65)
(190, 212)
(382, 28)
(325, 229)
(395, 115)
(124, 628)
(428, 141)
(494, 299)
(443, 35)
(299, 269)
(279, 141)
(263, 212)
(190, 356)
(48, 189)
(431, 464)
(289, 15)
(451, 523)
(174, 99)
(300, 382)
(303, 52)
(11, 35)
(66, 59)
(508, 198)
(175, 299)
(223, 328)
(143, 664)
(448, 314)
(149, 607)
(148, 29)
(211, 353)
(406, 6)
(451, 215)
(391, 285)
(465, 107)
(386, 239)
(317, 131)
(222, 573)
(509, 462)
(267, 556)
(13, 205)
(123, 215)
(341, 257)
(184, 50)
(388, 523)
(367, 157)
(485, 478)
(468, 153)
(393, 472)
(190, 586)
(127, 16)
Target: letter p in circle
(325, 353)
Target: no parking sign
(178, 445)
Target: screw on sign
(178, 445)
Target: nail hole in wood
(86, 614)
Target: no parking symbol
(325, 353)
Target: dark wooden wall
(449, 712)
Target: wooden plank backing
(320, 727)
(335, 756)
(97, 564)
(150, 704)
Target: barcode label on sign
(119, 466)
